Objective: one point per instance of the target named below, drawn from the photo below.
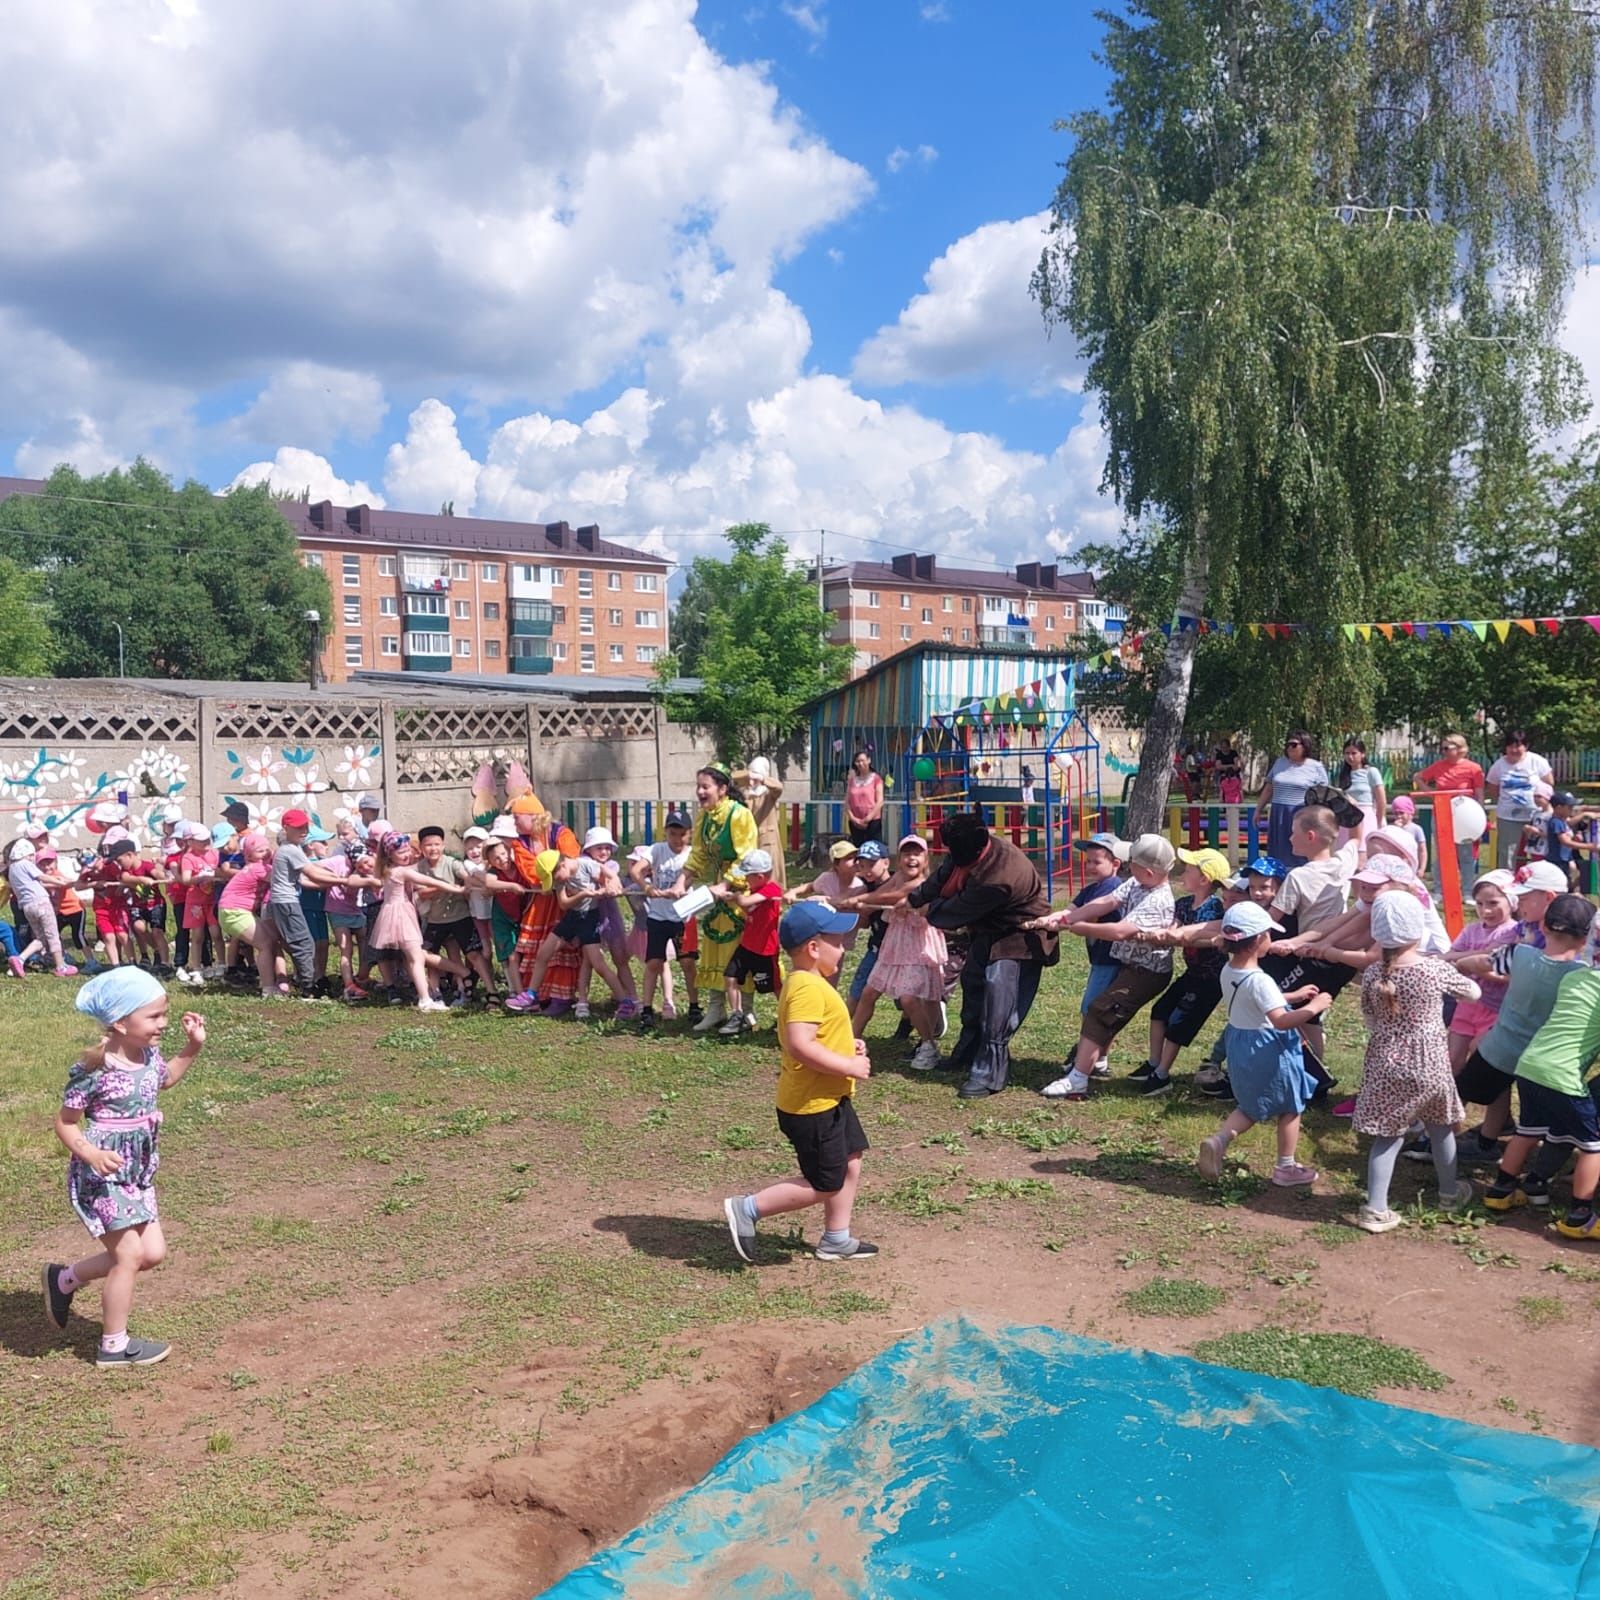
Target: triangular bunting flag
(1253, 629)
(1594, 622)
(1445, 629)
(1348, 629)
(1419, 630)
(1527, 625)
(1365, 630)
(1502, 630)
(1386, 629)
(1481, 629)
(1551, 624)
(1410, 628)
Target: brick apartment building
(435, 593)
(882, 608)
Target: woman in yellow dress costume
(724, 833)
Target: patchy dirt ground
(453, 1305)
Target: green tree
(1314, 252)
(759, 644)
(202, 586)
(26, 648)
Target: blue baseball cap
(1268, 867)
(810, 918)
(873, 850)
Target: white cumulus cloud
(430, 467)
(924, 155)
(976, 319)
(314, 405)
(293, 471)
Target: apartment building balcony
(1006, 637)
(425, 574)
(530, 655)
(532, 619)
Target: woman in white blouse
(1284, 793)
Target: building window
(966, 602)
(385, 566)
(490, 572)
(491, 610)
(647, 653)
(647, 619)
(460, 571)
(614, 618)
(352, 610)
(872, 597)
(352, 649)
(491, 649)
(388, 606)
(905, 631)
(613, 580)
(927, 613)
(615, 652)
(463, 609)
(558, 650)
(585, 658)
(558, 615)
(966, 636)
(1033, 608)
(314, 559)
(352, 572)
(646, 583)
(425, 605)
(1049, 624)
(586, 619)
(585, 585)
(389, 645)
(558, 577)
(872, 630)
(1066, 611)
(944, 602)
(946, 634)
(905, 602)
(427, 644)
(530, 574)
(463, 647)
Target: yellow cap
(546, 863)
(1213, 863)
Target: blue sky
(646, 264)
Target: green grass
(1352, 1362)
(1174, 1297)
(1541, 1310)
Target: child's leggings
(1385, 1152)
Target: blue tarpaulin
(970, 1462)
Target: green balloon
(923, 769)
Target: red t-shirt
(760, 936)
(105, 877)
(1458, 774)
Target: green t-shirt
(1560, 1054)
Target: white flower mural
(262, 771)
(356, 770)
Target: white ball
(1468, 818)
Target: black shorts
(1294, 972)
(1187, 1005)
(1120, 1002)
(659, 932)
(577, 928)
(823, 1143)
(153, 915)
(1569, 1119)
(1480, 1081)
(436, 935)
(745, 966)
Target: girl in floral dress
(398, 927)
(108, 1122)
(1407, 1075)
(910, 965)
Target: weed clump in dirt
(1351, 1362)
(1173, 1297)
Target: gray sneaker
(850, 1250)
(135, 1353)
(57, 1302)
(741, 1228)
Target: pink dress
(397, 926)
(911, 958)
(1475, 1018)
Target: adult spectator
(762, 793)
(989, 888)
(1284, 793)
(863, 800)
(1455, 772)
(1509, 783)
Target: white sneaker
(580, 1009)
(925, 1057)
(1370, 1221)
(430, 1004)
(716, 1014)
(1069, 1086)
(1213, 1152)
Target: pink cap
(1405, 805)
(912, 841)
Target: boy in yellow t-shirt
(822, 1059)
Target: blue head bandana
(117, 994)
